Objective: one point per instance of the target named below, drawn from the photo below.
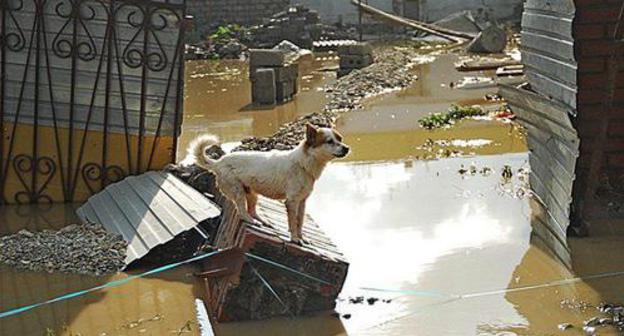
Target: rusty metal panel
(548, 49)
(148, 210)
(554, 149)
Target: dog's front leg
(301, 219)
(292, 209)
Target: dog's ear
(311, 131)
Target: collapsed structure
(174, 215)
(571, 108)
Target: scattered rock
(371, 301)
(589, 330)
(507, 172)
(356, 300)
(565, 326)
(346, 316)
(390, 72)
(82, 249)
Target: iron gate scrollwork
(90, 92)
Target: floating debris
(371, 301)
(507, 173)
(450, 117)
(78, 248)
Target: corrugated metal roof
(548, 49)
(148, 210)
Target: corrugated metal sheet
(554, 148)
(148, 210)
(548, 49)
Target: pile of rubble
(297, 24)
(81, 249)
(391, 71)
(289, 135)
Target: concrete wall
(332, 10)
(244, 12)
(433, 10)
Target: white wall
(330, 10)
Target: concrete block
(266, 58)
(263, 88)
(285, 90)
(289, 72)
(361, 49)
(355, 62)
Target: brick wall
(244, 12)
(593, 28)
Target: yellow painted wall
(47, 146)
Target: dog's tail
(197, 150)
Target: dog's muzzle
(343, 151)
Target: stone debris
(289, 135)
(78, 248)
(355, 56)
(390, 72)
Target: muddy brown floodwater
(453, 252)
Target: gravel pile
(80, 249)
(289, 135)
(390, 72)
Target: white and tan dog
(283, 175)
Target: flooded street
(449, 248)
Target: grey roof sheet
(148, 210)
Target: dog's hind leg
(236, 193)
(252, 201)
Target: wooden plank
(551, 67)
(548, 23)
(116, 123)
(17, 61)
(552, 88)
(563, 7)
(553, 47)
(541, 112)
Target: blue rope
(278, 265)
(115, 283)
(395, 291)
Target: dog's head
(325, 143)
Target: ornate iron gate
(90, 91)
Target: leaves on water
(448, 118)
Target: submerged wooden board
(148, 210)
